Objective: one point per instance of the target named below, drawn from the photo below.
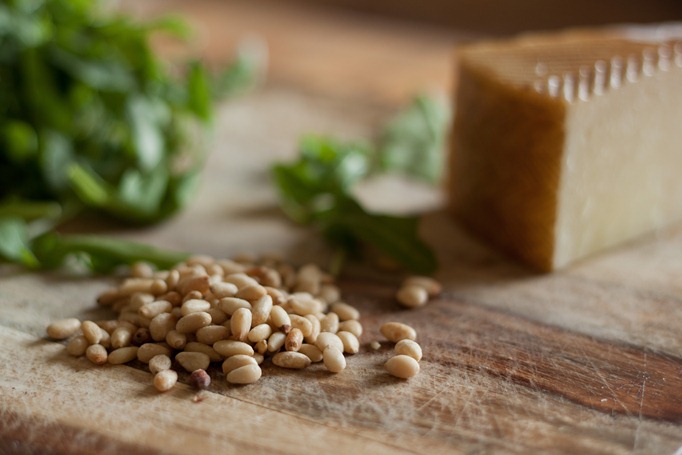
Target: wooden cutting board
(588, 360)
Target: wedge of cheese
(565, 145)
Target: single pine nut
(303, 303)
(333, 359)
(352, 326)
(200, 379)
(200, 283)
(123, 355)
(412, 296)
(223, 289)
(192, 295)
(97, 354)
(325, 339)
(108, 297)
(63, 329)
(330, 323)
(141, 270)
(402, 366)
(293, 340)
(195, 346)
(159, 363)
(312, 351)
(329, 293)
(236, 361)
(241, 280)
(122, 337)
(141, 336)
(315, 328)
(165, 380)
(276, 341)
(91, 332)
(259, 333)
(409, 347)
(396, 331)
(108, 326)
(291, 359)
(280, 319)
(218, 316)
(173, 279)
(229, 348)
(301, 323)
(147, 285)
(77, 346)
(231, 304)
(149, 350)
(176, 340)
(261, 346)
(246, 374)
(375, 345)
(240, 324)
(152, 309)
(258, 358)
(200, 259)
(211, 333)
(278, 296)
(191, 361)
(261, 309)
(345, 311)
(351, 345)
(193, 322)
(433, 287)
(251, 293)
(106, 339)
(230, 267)
(161, 325)
(194, 306)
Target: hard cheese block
(565, 145)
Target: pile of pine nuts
(416, 291)
(238, 312)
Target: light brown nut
(229, 267)
(223, 289)
(312, 351)
(200, 379)
(122, 337)
(352, 326)
(330, 323)
(191, 361)
(315, 328)
(351, 345)
(276, 341)
(259, 358)
(329, 293)
(161, 325)
(97, 354)
(228, 348)
(333, 359)
(176, 340)
(433, 287)
(92, 332)
(108, 325)
(142, 270)
(165, 380)
(77, 346)
(291, 359)
(159, 363)
(63, 329)
(375, 345)
(108, 297)
(123, 355)
(141, 336)
(260, 332)
(261, 346)
(301, 323)
(193, 322)
(218, 316)
(192, 295)
(199, 283)
(303, 303)
(241, 280)
(240, 324)
(246, 374)
(236, 361)
(278, 296)
(172, 279)
(149, 350)
(106, 339)
(231, 304)
(195, 346)
(345, 312)
(410, 348)
(293, 340)
(146, 285)
(396, 331)
(194, 306)
(261, 309)
(251, 293)
(280, 319)
(200, 259)
(402, 366)
(152, 309)
(325, 339)
(212, 333)
(412, 296)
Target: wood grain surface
(587, 360)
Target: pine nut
(192, 295)
(159, 363)
(176, 340)
(194, 306)
(161, 325)
(195, 346)
(412, 296)
(200, 283)
(315, 328)
(291, 359)
(326, 339)
(152, 309)
(276, 341)
(211, 333)
(301, 323)
(258, 358)
(200, 379)
(172, 279)
(352, 326)
(241, 280)
(108, 297)
(329, 293)
(402, 366)
(304, 304)
(106, 338)
(141, 336)
(410, 348)
(97, 354)
(261, 309)
(246, 374)
(333, 359)
(259, 333)
(193, 322)
(77, 345)
(330, 323)
(63, 329)
(230, 267)
(345, 311)
(251, 293)
(261, 346)
(108, 326)
(278, 296)
(149, 350)
(218, 316)
(91, 332)
(146, 285)
(396, 331)
(280, 319)
(240, 324)
(200, 259)
(293, 340)
(351, 345)
(222, 289)
(229, 348)
(141, 270)
(165, 380)
(312, 351)
(231, 304)
(236, 361)
(375, 345)
(433, 287)
(191, 361)
(123, 355)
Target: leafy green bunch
(316, 189)
(92, 119)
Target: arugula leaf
(14, 242)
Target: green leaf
(29, 210)
(199, 92)
(145, 120)
(14, 243)
(89, 187)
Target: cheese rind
(566, 145)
